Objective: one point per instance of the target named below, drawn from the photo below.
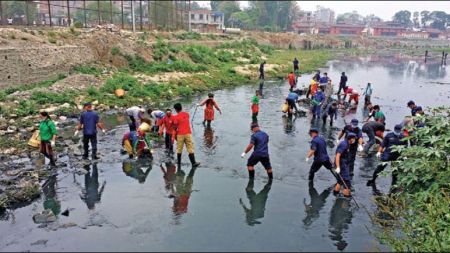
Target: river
(122, 206)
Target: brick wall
(36, 64)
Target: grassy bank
(420, 211)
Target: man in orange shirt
(167, 123)
(183, 133)
(291, 80)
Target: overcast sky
(382, 9)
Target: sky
(382, 9)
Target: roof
(200, 11)
(433, 30)
(217, 13)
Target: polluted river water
(118, 205)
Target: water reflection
(317, 203)
(135, 170)
(288, 124)
(182, 192)
(209, 140)
(51, 199)
(92, 192)
(257, 203)
(169, 177)
(340, 219)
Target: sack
(35, 140)
(285, 107)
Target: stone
(45, 216)
(40, 242)
(2, 133)
(63, 118)
(30, 129)
(80, 171)
(65, 105)
(3, 127)
(13, 116)
(68, 225)
(11, 121)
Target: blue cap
(410, 103)
(398, 128)
(354, 122)
(351, 135)
(419, 108)
(314, 129)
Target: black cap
(253, 125)
(87, 104)
(410, 103)
(314, 129)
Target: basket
(35, 140)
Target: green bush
(26, 107)
(421, 209)
(120, 81)
(184, 90)
(188, 36)
(78, 24)
(90, 70)
(92, 91)
(115, 51)
(52, 97)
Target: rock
(11, 121)
(65, 213)
(13, 128)
(40, 242)
(68, 225)
(45, 216)
(80, 171)
(65, 105)
(13, 116)
(3, 127)
(51, 109)
(30, 129)
(63, 118)
(95, 102)
(2, 132)
(80, 107)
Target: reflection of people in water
(183, 190)
(169, 176)
(51, 201)
(288, 124)
(133, 169)
(317, 203)
(340, 217)
(92, 192)
(257, 202)
(208, 138)
(261, 88)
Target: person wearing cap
(357, 146)
(48, 135)
(342, 83)
(136, 114)
(377, 114)
(317, 102)
(259, 142)
(291, 99)
(130, 140)
(167, 125)
(386, 153)
(323, 81)
(319, 150)
(209, 109)
(89, 122)
(157, 116)
(372, 129)
(183, 135)
(412, 105)
(368, 93)
(330, 111)
(342, 161)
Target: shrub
(90, 70)
(120, 81)
(26, 107)
(188, 36)
(52, 40)
(115, 51)
(184, 90)
(52, 97)
(78, 24)
(92, 91)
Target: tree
(350, 17)
(228, 8)
(403, 17)
(439, 20)
(17, 9)
(196, 6)
(214, 5)
(416, 21)
(425, 18)
(92, 14)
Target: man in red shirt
(292, 82)
(183, 135)
(167, 124)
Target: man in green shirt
(48, 134)
(255, 106)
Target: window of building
(192, 16)
(201, 16)
(207, 17)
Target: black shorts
(265, 161)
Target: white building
(324, 15)
(206, 21)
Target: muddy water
(125, 206)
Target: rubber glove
(378, 154)
(337, 142)
(338, 170)
(104, 131)
(52, 143)
(307, 159)
(76, 133)
(242, 155)
(360, 148)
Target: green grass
(43, 84)
(310, 60)
(91, 70)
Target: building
(206, 21)
(324, 15)
(388, 29)
(434, 33)
(346, 29)
(414, 34)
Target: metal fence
(136, 14)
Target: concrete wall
(36, 64)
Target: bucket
(119, 93)
(284, 107)
(35, 140)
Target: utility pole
(84, 13)
(68, 13)
(189, 16)
(49, 12)
(98, 12)
(140, 13)
(132, 16)
(121, 6)
(26, 13)
(1, 14)
(110, 10)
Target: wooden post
(148, 14)
(110, 10)
(154, 15)
(49, 12)
(26, 12)
(140, 13)
(98, 11)
(121, 5)
(2, 22)
(68, 13)
(84, 13)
